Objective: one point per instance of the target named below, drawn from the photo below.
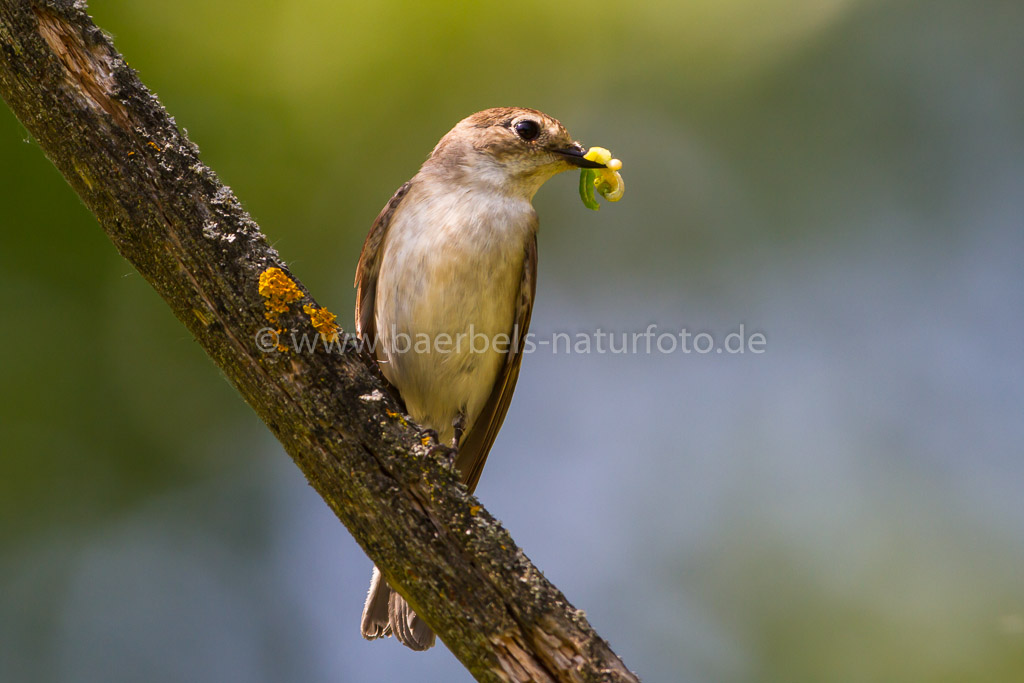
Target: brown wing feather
(476, 443)
(369, 268)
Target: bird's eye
(527, 129)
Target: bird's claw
(430, 439)
(459, 427)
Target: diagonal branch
(187, 234)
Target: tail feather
(387, 613)
(375, 612)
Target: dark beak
(574, 155)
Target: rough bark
(187, 234)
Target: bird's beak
(574, 155)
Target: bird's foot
(430, 439)
(459, 426)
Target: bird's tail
(387, 613)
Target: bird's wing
(369, 268)
(476, 443)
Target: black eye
(527, 129)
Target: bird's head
(512, 150)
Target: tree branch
(187, 234)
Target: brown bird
(445, 286)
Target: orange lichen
(279, 291)
(323, 322)
(282, 346)
(153, 145)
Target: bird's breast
(446, 300)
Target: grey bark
(187, 234)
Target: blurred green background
(845, 176)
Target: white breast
(448, 287)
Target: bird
(452, 259)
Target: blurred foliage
(762, 141)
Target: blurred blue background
(845, 176)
